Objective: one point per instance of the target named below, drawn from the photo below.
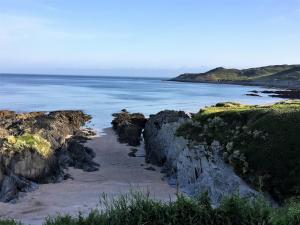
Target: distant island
(278, 76)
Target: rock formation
(161, 144)
(193, 167)
(129, 127)
(35, 147)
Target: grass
(261, 142)
(29, 142)
(9, 222)
(138, 209)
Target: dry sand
(118, 174)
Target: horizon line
(81, 75)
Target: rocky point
(36, 147)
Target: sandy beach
(118, 173)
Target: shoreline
(240, 83)
(118, 174)
(279, 91)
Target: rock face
(161, 144)
(194, 168)
(34, 148)
(129, 127)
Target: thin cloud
(18, 27)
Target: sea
(100, 96)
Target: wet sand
(118, 174)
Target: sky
(146, 37)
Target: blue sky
(151, 37)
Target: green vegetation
(29, 142)
(260, 74)
(138, 209)
(9, 222)
(261, 142)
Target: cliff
(193, 168)
(229, 148)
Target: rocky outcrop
(36, 147)
(193, 167)
(75, 154)
(161, 144)
(253, 144)
(287, 94)
(202, 168)
(129, 127)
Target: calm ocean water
(102, 96)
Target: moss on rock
(29, 142)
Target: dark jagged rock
(31, 147)
(129, 127)
(75, 154)
(288, 94)
(254, 95)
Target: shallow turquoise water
(102, 96)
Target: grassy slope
(260, 74)
(261, 142)
(292, 74)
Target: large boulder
(129, 127)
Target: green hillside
(277, 76)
